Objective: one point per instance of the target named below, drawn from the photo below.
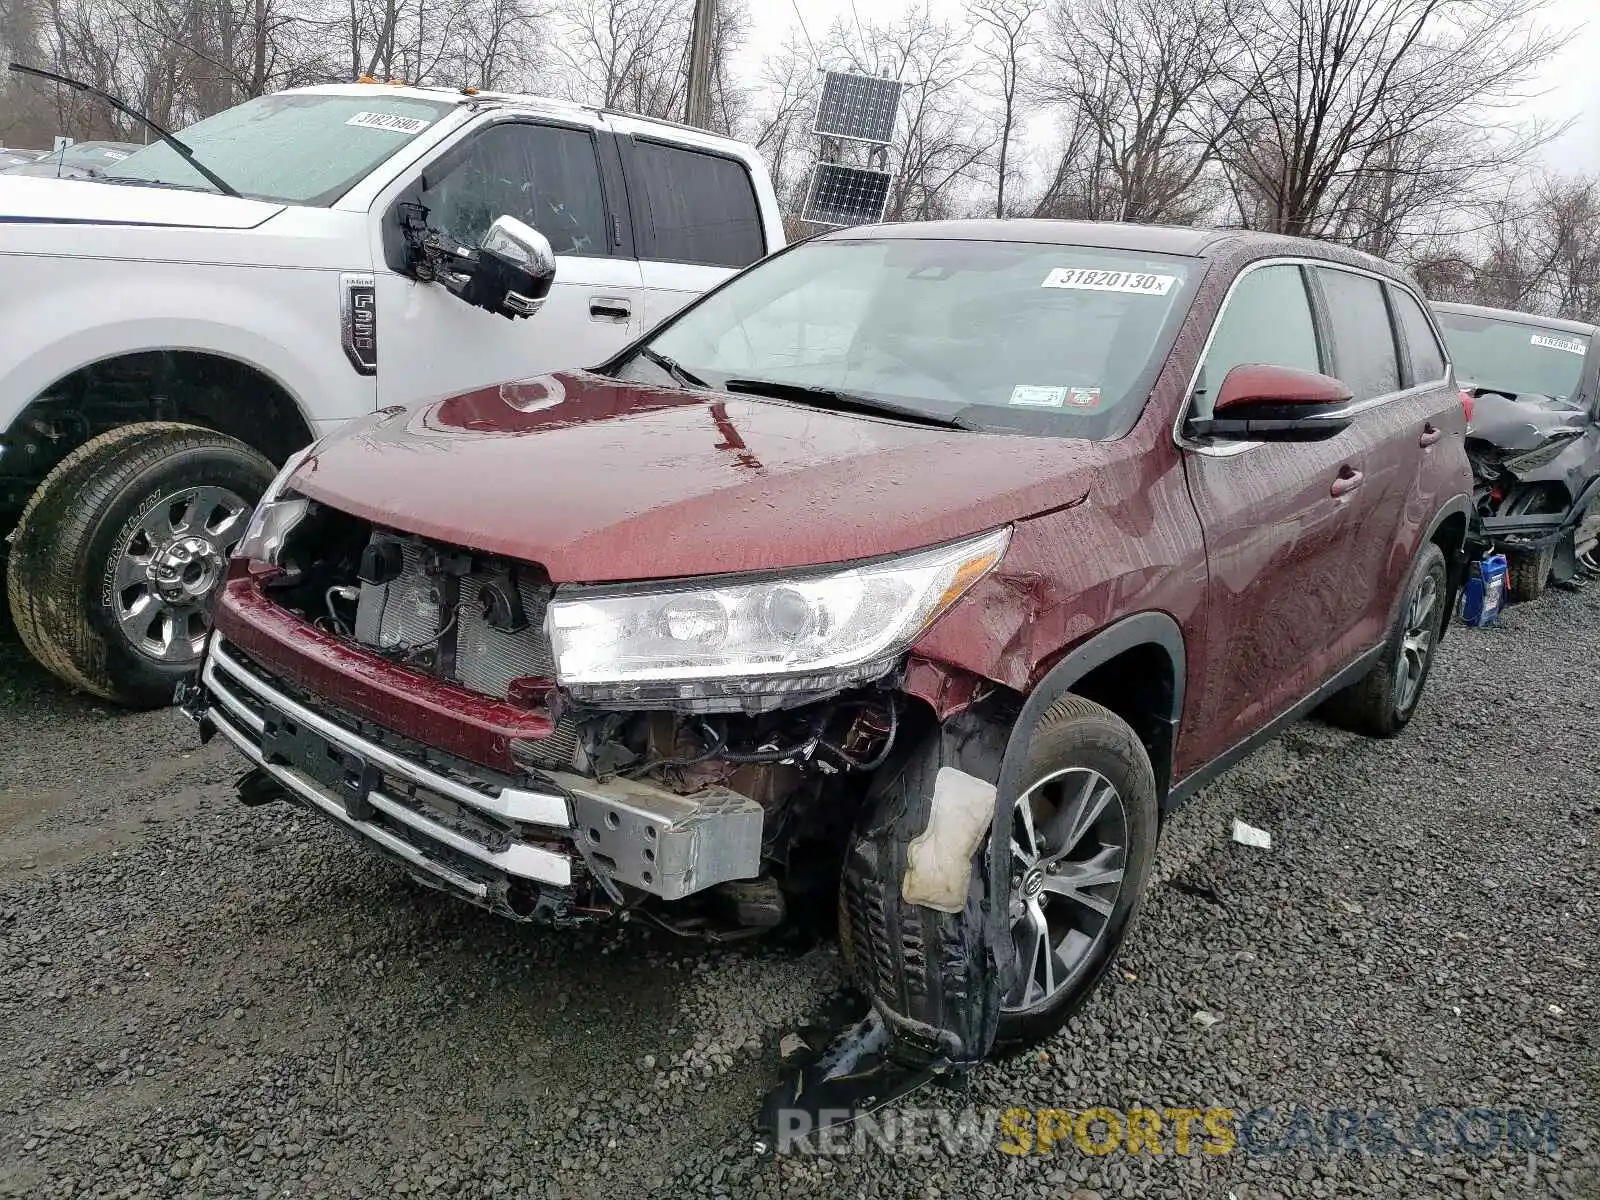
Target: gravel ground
(202, 1000)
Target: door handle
(1430, 434)
(609, 308)
(1346, 481)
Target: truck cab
(171, 343)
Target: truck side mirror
(511, 272)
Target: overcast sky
(1570, 86)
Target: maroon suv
(904, 537)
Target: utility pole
(697, 105)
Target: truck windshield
(294, 148)
(1001, 336)
(1514, 356)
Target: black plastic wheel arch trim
(1141, 629)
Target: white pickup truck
(172, 331)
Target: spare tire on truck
(119, 553)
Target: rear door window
(1268, 322)
(1424, 354)
(1363, 339)
(546, 176)
(695, 207)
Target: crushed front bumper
(524, 848)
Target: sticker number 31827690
(1089, 279)
(389, 122)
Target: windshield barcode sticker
(1555, 343)
(1038, 397)
(1087, 279)
(389, 122)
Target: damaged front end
(715, 756)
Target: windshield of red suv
(1514, 356)
(293, 148)
(995, 335)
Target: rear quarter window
(1425, 354)
(697, 207)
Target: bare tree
(1137, 76)
(624, 53)
(1005, 40)
(780, 128)
(1341, 105)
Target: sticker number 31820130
(1089, 279)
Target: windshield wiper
(672, 367)
(187, 154)
(101, 177)
(838, 401)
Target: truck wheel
(1384, 700)
(1527, 573)
(1083, 837)
(120, 551)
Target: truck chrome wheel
(1417, 643)
(170, 565)
(1069, 844)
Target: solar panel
(841, 195)
(859, 107)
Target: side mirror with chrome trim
(510, 274)
(1262, 403)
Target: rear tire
(119, 552)
(1528, 573)
(1384, 700)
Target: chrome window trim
(1228, 449)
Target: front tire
(1089, 782)
(1084, 831)
(120, 551)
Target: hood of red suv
(599, 480)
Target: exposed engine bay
(710, 811)
(799, 770)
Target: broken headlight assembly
(757, 643)
(275, 516)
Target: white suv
(166, 342)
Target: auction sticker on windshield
(1555, 343)
(389, 122)
(1033, 396)
(1090, 279)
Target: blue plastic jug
(1486, 591)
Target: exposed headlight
(275, 516)
(802, 633)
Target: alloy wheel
(170, 565)
(1069, 850)
(1416, 645)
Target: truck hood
(599, 481)
(89, 202)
